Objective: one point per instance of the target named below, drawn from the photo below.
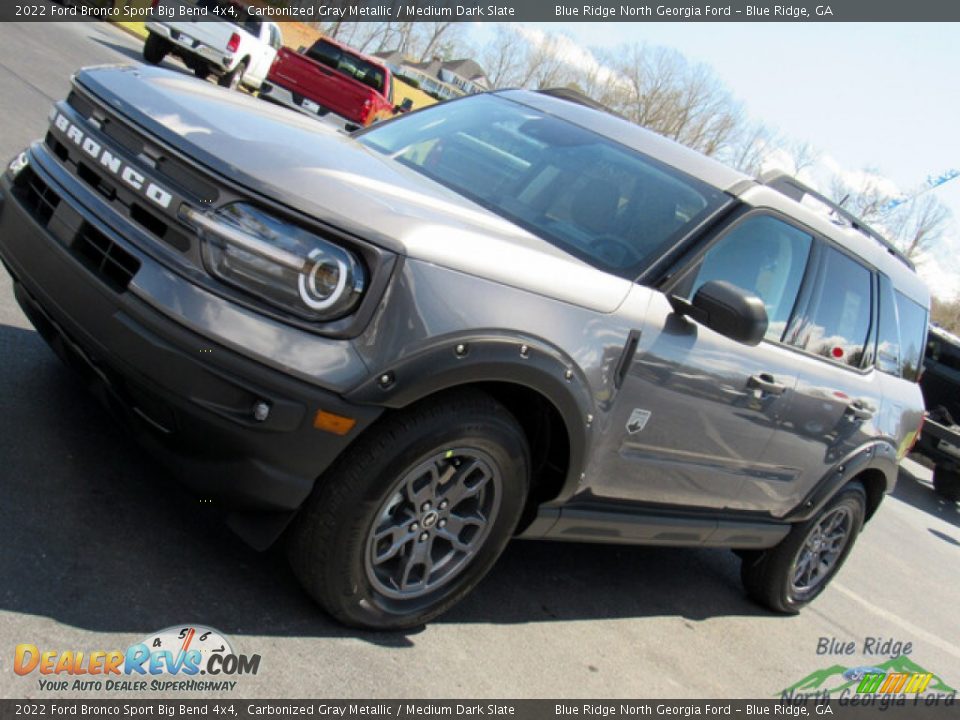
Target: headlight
(279, 262)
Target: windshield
(603, 202)
(348, 63)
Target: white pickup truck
(239, 49)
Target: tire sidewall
(506, 447)
(154, 49)
(854, 497)
(236, 77)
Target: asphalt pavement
(99, 548)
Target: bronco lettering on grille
(110, 162)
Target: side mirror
(726, 309)
(405, 106)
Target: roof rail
(794, 189)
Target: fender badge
(638, 420)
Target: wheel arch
(874, 466)
(542, 387)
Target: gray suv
(509, 315)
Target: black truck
(940, 383)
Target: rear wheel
(413, 516)
(155, 48)
(201, 70)
(233, 78)
(947, 483)
(788, 576)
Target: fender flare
(878, 454)
(451, 361)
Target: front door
(697, 412)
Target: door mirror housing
(726, 309)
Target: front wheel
(788, 576)
(414, 514)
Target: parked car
(507, 315)
(331, 77)
(940, 383)
(238, 49)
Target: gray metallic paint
(470, 276)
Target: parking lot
(99, 548)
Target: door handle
(857, 409)
(765, 383)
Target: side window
(888, 339)
(764, 256)
(838, 318)
(913, 331)
(276, 40)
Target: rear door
(838, 397)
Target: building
(444, 80)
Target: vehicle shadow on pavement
(136, 56)
(539, 581)
(919, 492)
(97, 536)
(131, 53)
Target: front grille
(114, 265)
(127, 138)
(35, 195)
(89, 174)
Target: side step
(602, 525)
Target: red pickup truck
(331, 77)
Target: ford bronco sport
(506, 315)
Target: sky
(884, 96)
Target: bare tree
(946, 314)
(751, 148)
(913, 226)
(919, 223)
(866, 200)
(545, 65)
(804, 155)
(438, 39)
(658, 89)
(502, 58)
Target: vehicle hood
(314, 168)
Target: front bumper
(189, 400)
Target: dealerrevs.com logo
(173, 659)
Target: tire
(201, 70)
(776, 578)
(155, 49)
(233, 78)
(946, 483)
(363, 540)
